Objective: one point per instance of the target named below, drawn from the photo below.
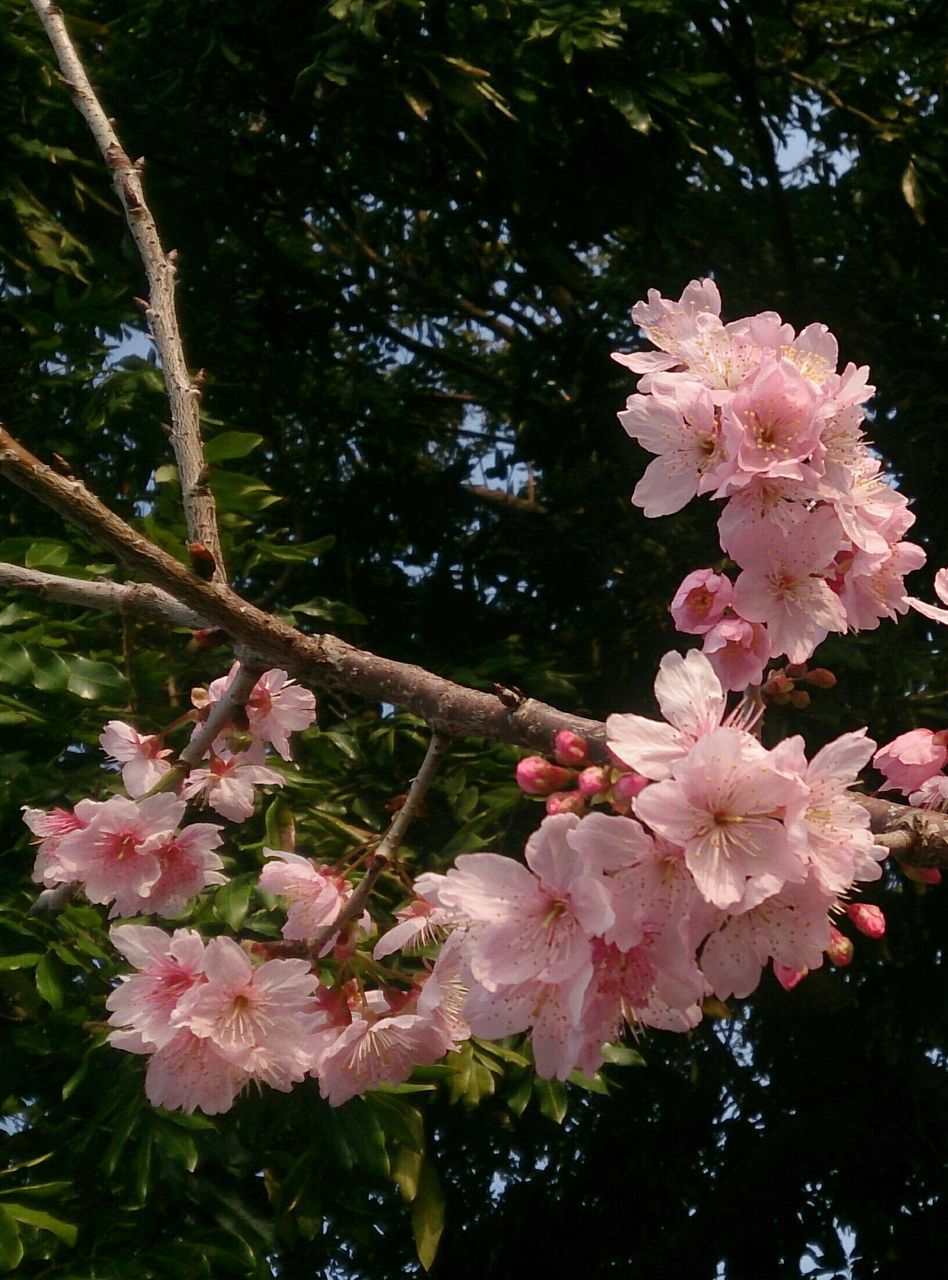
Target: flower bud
(922, 875)
(570, 749)
(821, 678)
(795, 670)
(594, 780)
(787, 977)
(566, 802)
(799, 699)
(538, 777)
(840, 949)
(867, 918)
(624, 790)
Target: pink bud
(566, 802)
(628, 785)
(538, 777)
(840, 949)
(570, 749)
(593, 781)
(867, 919)
(787, 977)
(821, 678)
(922, 875)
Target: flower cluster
(211, 1021)
(132, 851)
(573, 782)
(736, 857)
(758, 416)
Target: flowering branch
(184, 393)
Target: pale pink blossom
(783, 583)
(550, 1011)
(141, 756)
(277, 707)
(115, 856)
(191, 1074)
(738, 651)
(941, 591)
(373, 1051)
(188, 865)
(932, 794)
(52, 827)
(770, 427)
(314, 895)
(908, 761)
(872, 586)
(681, 427)
(700, 602)
(168, 967)
(723, 806)
(790, 926)
(662, 322)
(691, 700)
(227, 784)
(531, 922)
(243, 1009)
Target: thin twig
(137, 599)
(221, 714)
(388, 846)
(184, 393)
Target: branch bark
(184, 393)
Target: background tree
(408, 237)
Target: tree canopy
(408, 236)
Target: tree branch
(184, 394)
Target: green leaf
(231, 444)
(427, 1214)
(333, 611)
(244, 494)
(621, 1055)
(406, 1171)
(26, 960)
(94, 680)
(11, 1247)
(47, 554)
(551, 1096)
(66, 1231)
(295, 552)
(232, 900)
(15, 664)
(51, 981)
(50, 671)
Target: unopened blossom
(908, 761)
(691, 700)
(700, 602)
(227, 784)
(723, 806)
(540, 777)
(867, 918)
(570, 749)
(141, 756)
(566, 802)
(839, 948)
(315, 895)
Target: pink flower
(783, 583)
(663, 323)
(738, 651)
(370, 1052)
(909, 760)
(930, 610)
(315, 895)
(723, 807)
(141, 756)
(787, 977)
(529, 924)
(700, 601)
(243, 1009)
(52, 827)
(227, 784)
(191, 1074)
(276, 707)
(932, 794)
(691, 700)
(770, 426)
(682, 428)
(188, 865)
(167, 969)
(115, 855)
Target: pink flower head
(278, 707)
(932, 794)
(418, 923)
(663, 323)
(700, 601)
(531, 923)
(691, 700)
(141, 755)
(314, 895)
(188, 865)
(909, 760)
(681, 427)
(227, 784)
(771, 425)
(52, 827)
(738, 651)
(723, 806)
(242, 1008)
(930, 610)
(783, 583)
(168, 967)
(370, 1052)
(187, 1073)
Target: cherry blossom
(141, 755)
(909, 760)
(315, 895)
(227, 784)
